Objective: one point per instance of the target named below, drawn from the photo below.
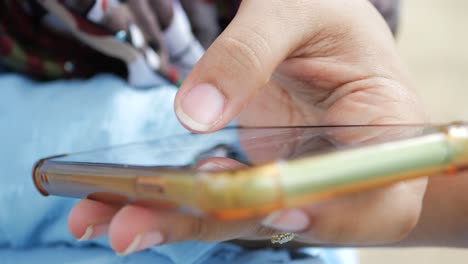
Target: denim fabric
(44, 119)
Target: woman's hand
(286, 63)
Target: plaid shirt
(28, 47)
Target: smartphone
(241, 172)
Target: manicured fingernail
(292, 220)
(202, 107)
(94, 231)
(142, 241)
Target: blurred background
(433, 41)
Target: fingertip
(128, 227)
(136, 228)
(78, 218)
(75, 223)
(90, 219)
(201, 108)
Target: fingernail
(214, 167)
(142, 241)
(94, 231)
(202, 107)
(292, 220)
(210, 166)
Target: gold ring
(282, 238)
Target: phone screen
(246, 146)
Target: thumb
(234, 68)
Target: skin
(295, 62)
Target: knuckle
(404, 226)
(408, 209)
(248, 53)
(366, 230)
(388, 215)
